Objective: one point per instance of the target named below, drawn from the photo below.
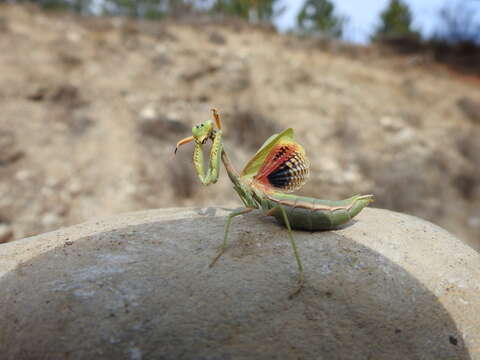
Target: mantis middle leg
(223, 247)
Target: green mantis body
(278, 167)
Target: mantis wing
(280, 164)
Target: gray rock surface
(138, 286)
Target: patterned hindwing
(291, 175)
(286, 168)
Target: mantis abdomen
(307, 213)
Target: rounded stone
(138, 286)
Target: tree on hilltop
(318, 16)
(396, 21)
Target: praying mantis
(280, 166)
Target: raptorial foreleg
(211, 175)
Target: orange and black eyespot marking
(290, 175)
(285, 168)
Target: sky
(364, 15)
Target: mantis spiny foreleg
(201, 134)
(223, 247)
(211, 176)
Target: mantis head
(202, 132)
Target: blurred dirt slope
(91, 110)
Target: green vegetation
(251, 10)
(457, 24)
(318, 16)
(396, 21)
(148, 9)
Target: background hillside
(91, 108)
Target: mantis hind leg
(223, 247)
(301, 278)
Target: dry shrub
(203, 70)
(470, 108)
(252, 128)
(466, 183)
(411, 118)
(79, 124)
(215, 37)
(182, 176)
(68, 106)
(179, 177)
(10, 151)
(64, 95)
(161, 127)
(69, 60)
(4, 25)
(6, 231)
(401, 184)
(468, 146)
(345, 132)
(67, 95)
